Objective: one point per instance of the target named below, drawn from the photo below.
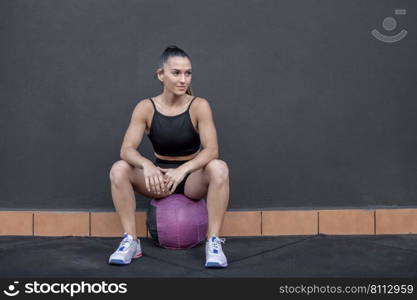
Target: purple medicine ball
(177, 222)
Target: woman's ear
(160, 74)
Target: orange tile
(16, 223)
(237, 223)
(105, 224)
(348, 221)
(141, 229)
(291, 222)
(248, 223)
(396, 221)
(108, 224)
(62, 223)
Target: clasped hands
(161, 180)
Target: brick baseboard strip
(236, 223)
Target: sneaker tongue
(128, 236)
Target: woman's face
(176, 75)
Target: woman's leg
(125, 181)
(211, 182)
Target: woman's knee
(120, 172)
(218, 170)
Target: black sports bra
(173, 135)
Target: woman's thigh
(137, 179)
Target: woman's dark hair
(172, 51)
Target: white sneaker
(128, 249)
(215, 257)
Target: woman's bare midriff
(186, 157)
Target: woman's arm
(133, 137)
(208, 137)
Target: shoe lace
(216, 244)
(125, 243)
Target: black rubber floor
(273, 257)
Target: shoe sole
(118, 262)
(215, 265)
(122, 262)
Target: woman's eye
(176, 73)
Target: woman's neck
(171, 100)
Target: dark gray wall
(311, 110)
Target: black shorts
(171, 164)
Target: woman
(180, 165)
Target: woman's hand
(172, 177)
(153, 178)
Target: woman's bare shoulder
(202, 103)
(143, 108)
(202, 110)
(144, 104)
